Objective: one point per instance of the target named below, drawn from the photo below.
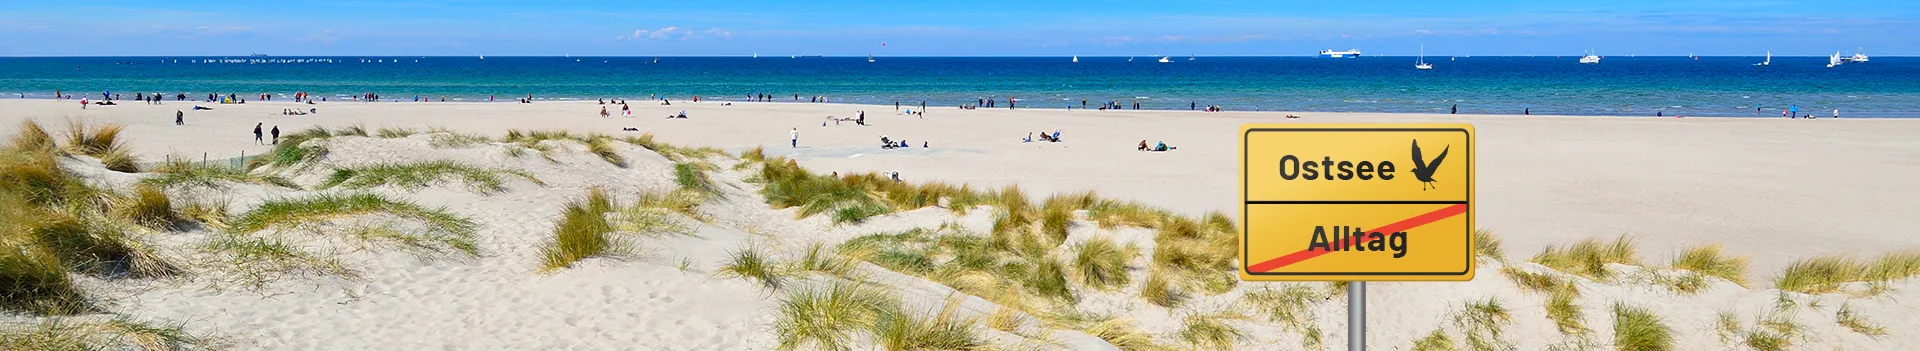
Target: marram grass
(582, 231)
(1639, 329)
(422, 174)
(1589, 257)
(178, 172)
(1711, 261)
(825, 318)
(1210, 331)
(753, 265)
(1101, 263)
(290, 212)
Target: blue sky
(969, 28)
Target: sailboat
(1076, 58)
(1189, 57)
(756, 55)
(869, 57)
(483, 57)
(1769, 60)
(1166, 59)
(1421, 63)
(1834, 60)
(1129, 58)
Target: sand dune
(1775, 191)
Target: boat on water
(1769, 60)
(1166, 59)
(1329, 53)
(1129, 58)
(1835, 60)
(1076, 58)
(1590, 58)
(1421, 63)
(869, 57)
(1189, 57)
(1858, 56)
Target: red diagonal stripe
(1402, 225)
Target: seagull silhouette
(1422, 169)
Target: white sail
(1076, 58)
(1421, 63)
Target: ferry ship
(1350, 53)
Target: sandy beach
(1775, 191)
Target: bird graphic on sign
(1422, 169)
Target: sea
(1545, 85)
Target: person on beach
(1836, 113)
(1456, 110)
(276, 135)
(628, 111)
(256, 134)
(1527, 112)
(795, 137)
(83, 103)
(603, 112)
(1142, 146)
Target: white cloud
(674, 32)
(1118, 40)
(325, 37)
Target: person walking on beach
(256, 134)
(1836, 113)
(179, 118)
(1455, 111)
(1192, 105)
(276, 135)
(896, 105)
(795, 135)
(1795, 110)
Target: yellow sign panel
(1357, 202)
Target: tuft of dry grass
(1565, 314)
(1287, 306)
(1846, 316)
(102, 142)
(395, 132)
(1535, 282)
(1589, 257)
(417, 175)
(1435, 341)
(1160, 290)
(897, 329)
(1209, 331)
(1484, 322)
(1637, 328)
(1485, 244)
(1101, 263)
(1710, 261)
(602, 146)
(179, 172)
(32, 138)
(752, 264)
(581, 232)
(148, 207)
(825, 318)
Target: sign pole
(1357, 316)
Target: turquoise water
(1634, 86)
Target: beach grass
(1160, 290)
(32, 138)
(255, 261)
(1832, 273)
(1210, 331)
(1122, 333)
(1435, 341)
(1638, 328)
(210, 213)
(179, 172)
(682, 202)
(284, 213)
(1589, 257)
(1483, 322)
(101, 142)
(898, 329)
(1535, 282)
(822, 260)
(417, 175)
(1110, 214)
(1287, 305)
(1565, 314)
(148, 207)
(100, 333)
(601, 145)
(754, 265)
(1848, 317)
(582, 231)
(691, 178)
(294, 151)
(351, 130)
(1774, 331)
(1711, 261)
(426, 246)
(1487, 245)
(1101, 263)
(395, 132)
(825, 318)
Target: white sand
(1771, 189)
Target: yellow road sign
(1356, 202)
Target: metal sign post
(1356, 316)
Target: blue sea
(1630, 86)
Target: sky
(964, 28)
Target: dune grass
(285, 213)
(825, 318)
(32, 138)
(1846, 316)
(426, 246)
(1565, 314)
(390, 133)
(178, 172)
(1486, 245)
(1589, 257)
(822, 260)
(897, 329)
(1483, 322)
(1110, 214)
(1122, 333)
(1435, 341)
(101, 142)
(1829, 273)
(1535, 282)
(294, 151)
(1209, 331)
(148, 207)
(417, 175)
(351, 130)
(1287, 306)
(255, 261)
(582, 231)
(1711, 261)
(601, 145)
(1160, 290)
(87, 334)
(1101, 263)
(1774, 331)
(848, 198)
(1639, 329)
(754, 265)
(447, 139)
